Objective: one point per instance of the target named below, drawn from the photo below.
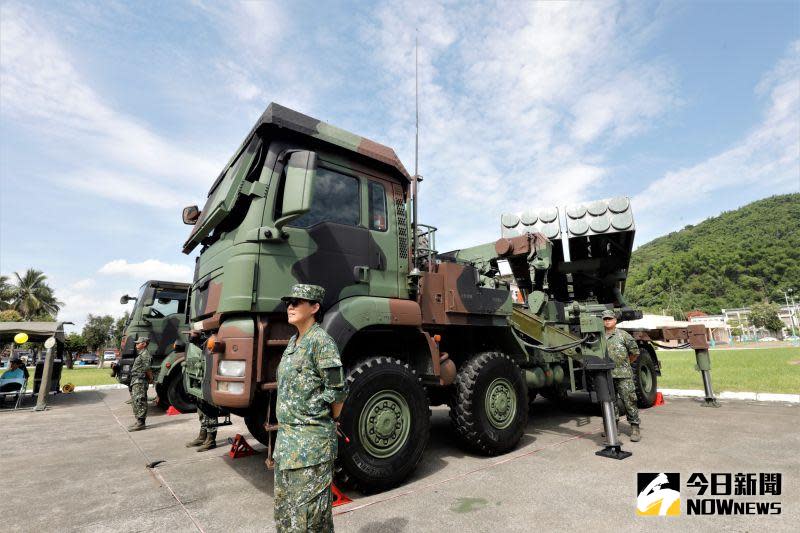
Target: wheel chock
(240, 448)
(171, 411)
(338, 497)
(659, 399)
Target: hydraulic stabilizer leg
(600, 372)
(704, 365)
(699, 343)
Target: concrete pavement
(75, 468)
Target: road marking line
(153, 471)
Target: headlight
(233, 387)
(231, 369)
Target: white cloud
(117, 152)
(147, 269)
(768, 157)
(515, 101)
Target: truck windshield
(168, 302)
(139, 303)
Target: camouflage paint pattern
(303, 499)
(163, 332)
(310, 379)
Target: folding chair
(19, 392)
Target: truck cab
(160, 313)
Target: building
(741, 315)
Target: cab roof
(280, 117)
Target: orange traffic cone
(172, 411)
(338, 497)
(659, 399)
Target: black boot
(636, 436)
(201, 437)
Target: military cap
(609, 314)
(142, 338)
(313, 293)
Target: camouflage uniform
(208, 423)
(139, 383)
(620, 346)
(310, 378)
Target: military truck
(302, 201)
(160, 313)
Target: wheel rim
(384, 424)
(500, 403)
(646, 379)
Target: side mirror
(125, 299)
(190, 215)
(298, 187)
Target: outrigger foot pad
(711, 402)
(614, 452)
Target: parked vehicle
(88, 358)
(767, 339)
(159, 313)
(302, 201)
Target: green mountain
(736, 259)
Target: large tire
(177, 395)
(645, 378)
(387, 419)
(256, 418)
(163, 396)
(490, 406)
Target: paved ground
(74, 468)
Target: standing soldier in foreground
(311, 389)
(621, 348)
(141, 376)
(207, 438)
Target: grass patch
(81, 376)
(762, 370)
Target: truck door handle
(361, 274)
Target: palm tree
(6, 293)
(32, 295)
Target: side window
(335, 200)
(377, 207)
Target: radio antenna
(415, 273)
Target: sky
(115, 115)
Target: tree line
(740, 258)
(27, 297)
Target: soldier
(622, 348)
(311, 389)
(207, 438)
(141, 376)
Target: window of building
(377, 207)
(335, 200)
